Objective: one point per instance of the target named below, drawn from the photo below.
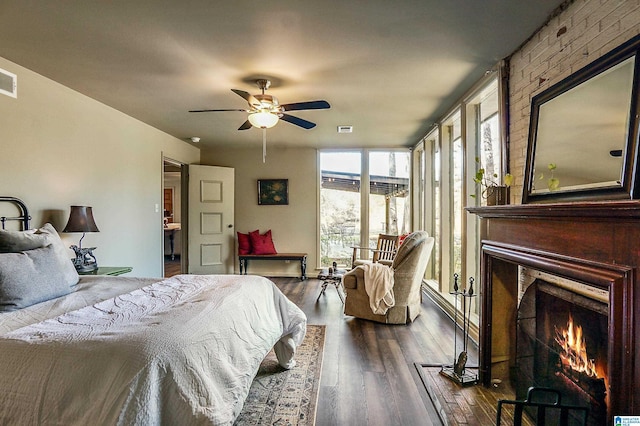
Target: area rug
(287, 397)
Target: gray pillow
(52, 237)
(33, 276)
(63, 253)
(15, 241)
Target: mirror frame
(630, 174)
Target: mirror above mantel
(583, 134)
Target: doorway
(172, 224)
(210, 192)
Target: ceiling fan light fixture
(263, 119)
(265, 110)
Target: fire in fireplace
(562, 344)
(573, 351)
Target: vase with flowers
(493, 191)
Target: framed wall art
(273, 192)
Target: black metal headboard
(24, 212)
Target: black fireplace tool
(458, 370)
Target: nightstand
(109, 270)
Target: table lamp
(81, 220)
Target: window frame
(468, 108)
(364, 191)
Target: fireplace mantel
(594, 209)
(597, 243)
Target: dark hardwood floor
(368, 371)
(171, 267)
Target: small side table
(335, 279)
(109, 270)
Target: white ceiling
(389, 68)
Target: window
(489, 152)
(437, 210)
(339, 206)
(362, 194)
(388, 195)
(427, 177)
(446, 163)
(456, 197)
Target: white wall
(579, 35)
(60, 148)
(294, 226)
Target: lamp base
(86, 268)
(84, 261)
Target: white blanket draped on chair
(378, 282)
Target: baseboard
(448, 309)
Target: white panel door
(211, 230)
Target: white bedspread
(180, 351)
(90, 289)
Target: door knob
(230, 226)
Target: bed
(126, 350)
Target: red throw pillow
(244, 243)
(401, 238)
(262, 244)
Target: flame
(574, 349)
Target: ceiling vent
(345, 129)
(8, 83)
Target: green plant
(553, 183)
(486, 182)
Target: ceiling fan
(265, 111)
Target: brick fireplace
(523, 334)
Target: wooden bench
(302, 257)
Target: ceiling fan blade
(298, 121)
(306, 105)
(246, 125)
(217, 110)
(247, 97)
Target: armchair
(408, 266)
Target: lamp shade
(263, 119)
(81, 220)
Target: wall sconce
(81, 220)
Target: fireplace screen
(562, 344)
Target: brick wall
(575, 37)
